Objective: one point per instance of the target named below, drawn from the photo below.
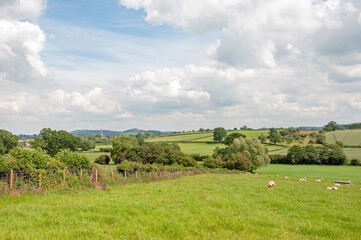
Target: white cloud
(21, 42)
(359, 18)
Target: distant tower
(101, 134)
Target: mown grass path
(206, 206)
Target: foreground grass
(315, 171)
(198, 207)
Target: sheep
(286, 177)
(332, 188)
(336, 184)
(303, 179)
(277, 175)
(318, 180)
(271, 184)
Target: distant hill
(133, 131)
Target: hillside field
(347, 137)
(208, 206)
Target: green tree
(262, 138)
(7, 141)
(85, 144)
(53, 141)
(229, 139)
(219, 133)
(274, 136)
(120, 146)
(331, 126)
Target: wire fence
(17, 182)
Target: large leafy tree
(229, 139)
(331, 126)
(7, 141)
(121, 146)
(53, 141)
(219, 133)
(274, 136)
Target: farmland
(347, 137)
(209, 206)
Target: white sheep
(318, 180)
(303, 179)
(271, 184)
(286, 177)
(336, 184)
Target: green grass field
(92, 154)
(349, 152)
(347, 137)
(199, 148)
(209, 206)
(315, 171)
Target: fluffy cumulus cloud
(21, 40)
(276, 59)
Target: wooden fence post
(136, 174)
(40, 180)
(112, 174)
(125, 176)
(96, 175)
(64, 176)
(11, 179)
(81, 173)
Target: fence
(14, 182)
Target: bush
(278, 159)
(211, 162)
(355, 162)
(129, 166)
(73, 159)
(103, 159)
(105, 149)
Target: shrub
(105, 149)
(355, 162)
(129, 166)
(278, 159)
(103, 159)
(73, 159)
(211, 162)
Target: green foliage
(331, 126)
(85, 144)
(274, 136)
(229, 139)
(120, 146)
(278, 159)
(54, 141)
(243, 154)
(219, 133)
(262, 138)
(129, 166)
(211, 162)
(355, 162)
(198, 157)
(73, 160)
(29, 160)
(103, 159)
(328, 155)
(7, 141)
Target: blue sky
(178, 64)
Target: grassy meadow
(209, 206)
(347, 137)
(199, 148)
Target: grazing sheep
(318, 180)
(303, 179)
(271, 184)
(332, 188)
(286, 177)
(277, 175)
(322, 179)
(336, 184)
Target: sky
(174, 65)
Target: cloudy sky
(178, 64)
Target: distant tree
(85, 144)
(274, 136)
(219, 133)
(331, 126)
(235, 129)
(262, 138)
(120, 146)
(244, 127)
(201, 130)
(229, 139)
(7, 141)
(53, 141)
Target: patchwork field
(199, 148)
(349, 152)
(210, 206)
(347, 137)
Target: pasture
(199, 148)
(209, 206)
(315, 171)
(347, 137)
